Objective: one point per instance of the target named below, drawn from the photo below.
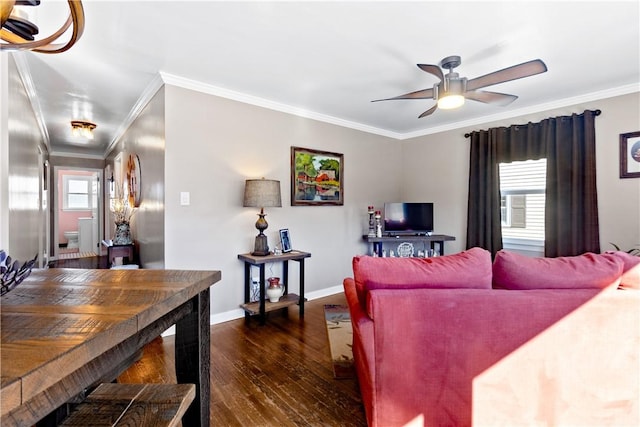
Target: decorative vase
(123, 234)
(275, 289)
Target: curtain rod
(595, 113)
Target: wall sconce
(82, 128)
(261, 193)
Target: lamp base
(261, 247)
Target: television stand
(378, 242)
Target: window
(79, 192)
(522, 204)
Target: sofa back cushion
(468, 269)
(589, 270)
(630, 270)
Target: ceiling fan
(452, 90)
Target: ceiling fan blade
(432, 69)
(519, 71)
(496, 98)
(429, 111)
(419, 94)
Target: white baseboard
(239, 313)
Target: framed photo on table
(630, 155)
(285, 240)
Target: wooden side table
(127, 252)
(261, 307)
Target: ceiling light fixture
(449, 102)
(17, 32)
(450, 92)
(82, 128)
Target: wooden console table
(378, 242)
(67, 330)
(261, 307)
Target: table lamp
(261, 193)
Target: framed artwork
(285, 240)
(316, 177)
(630, 155)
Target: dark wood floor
(278, 374)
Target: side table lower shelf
(253, 308)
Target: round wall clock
(133, 179)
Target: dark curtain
(571, 207)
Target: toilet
(72, 239)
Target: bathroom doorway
(77, 212)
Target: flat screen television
(408, 218)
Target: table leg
(263, 315)
(247, 287)
(193, 359)
(301, 303)
(285, 276)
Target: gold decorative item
(133, 180)
(17, 32)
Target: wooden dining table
(64, 331)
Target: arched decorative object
(133, 180)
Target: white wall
(442, 162)
(22, 221)
(145, 138)
(214, 144)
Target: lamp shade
(262, 193)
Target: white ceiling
(328, 60)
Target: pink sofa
(459, 341)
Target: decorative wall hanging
(316, 177)
(630, 155)
(133, 180)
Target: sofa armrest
(361, 323)
(363, 347)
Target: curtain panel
(571, 208)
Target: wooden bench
(132, 405)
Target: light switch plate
(185, 198)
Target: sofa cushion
(467, 269)
(630, 270)
(589, 270)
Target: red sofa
(459, 341)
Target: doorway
(77, 212)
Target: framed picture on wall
(316, 177)
(285, 240)
(630, 155)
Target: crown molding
(27, 81)
(272, 105)
(76, 155)
(265, 103)
(562, 103)
(149, 92)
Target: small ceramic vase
(275, 289)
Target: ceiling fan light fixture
(82, 128)
(450, 101)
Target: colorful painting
(316, 177)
